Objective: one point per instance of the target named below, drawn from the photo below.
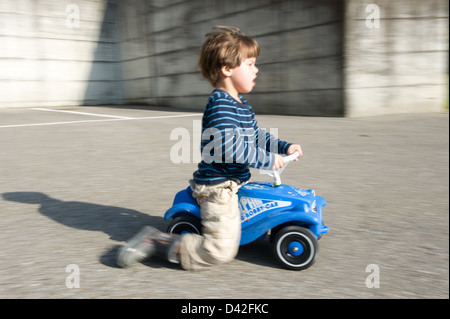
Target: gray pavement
(74, 186)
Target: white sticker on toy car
(250, 207)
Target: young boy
(231, 143)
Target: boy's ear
(226, 71)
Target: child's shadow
(119, 223)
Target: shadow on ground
(120, 224)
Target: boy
(231, 143)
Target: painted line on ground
(104, 120)
(83, 113)
(167, 116)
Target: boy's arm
(224, 141)
(236, 145)
(241, 147)
(269, 142)
(275, 145)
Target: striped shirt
(232, 141)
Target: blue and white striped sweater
(232, 141)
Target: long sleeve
(232, 141)
(232, 136)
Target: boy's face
(243, 77)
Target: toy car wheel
(295, 247)
(185, 224)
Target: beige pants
(221, 227)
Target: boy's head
(225, 47)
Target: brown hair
(225, 46)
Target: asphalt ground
(75, 186)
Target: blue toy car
(292, 216)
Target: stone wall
(56, 53)
(399, 65)
(318, 57)
(300, 62)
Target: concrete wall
(300, 63)
(318, 56)
(401, 66)
(46, 60)
(136, 47)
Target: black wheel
(295, 247)
(185, 224)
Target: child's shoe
(167, 246)
(137, 249)
(147, 242)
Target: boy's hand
(278, 162)
(295, 148)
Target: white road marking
(83, 113)
(167, 116)
(105, 120)
(58, 123)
